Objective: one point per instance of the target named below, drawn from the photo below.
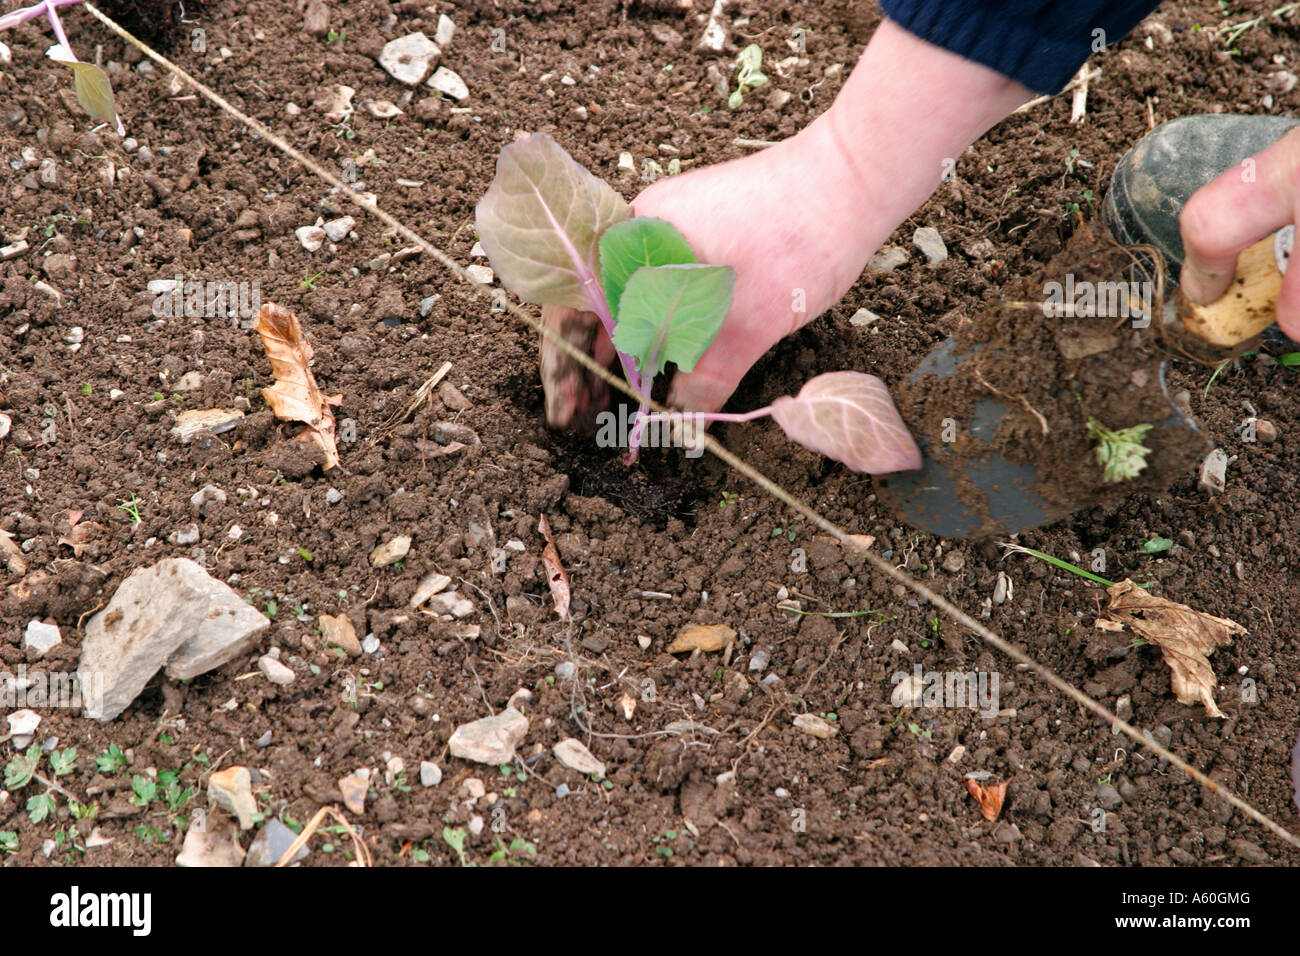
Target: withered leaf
(295, 396)
(555, 575)
(81, 535)
(990, 798)
(12, 554)
(1185, 637)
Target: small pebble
(430, 774)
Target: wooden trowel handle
(1247, 308)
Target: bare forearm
(907, 112)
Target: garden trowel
(970, 489)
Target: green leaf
(540, 223)
(20, 770)
(672, 314)
(642, 241)
(40, 806)
(1289, 359)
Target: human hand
(758, 215)
(1236, 210)
(799, 220)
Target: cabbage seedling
(94, 92)
(556, 235)
(749, 75)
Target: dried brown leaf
(1185, 637)
(990, 798)
(555, 576)
(81, 535)
(295, 396)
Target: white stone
(449, 83)
(41, 637)
(275, 672)
(23, 723)
(446, 30)
(409, 59)
(815, 726)
(311, 237)
(451, 603)
(338, 229)
(391, 551)
(864, 317)
(491, 740)
(430, 774)
(574, 755)
(482, 274)
(431, 584)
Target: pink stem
(56, 24)
(708, 416)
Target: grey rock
(173, 613)
(310, 238)
(1108, 796)
(564, 670)
(271, 843)
(928, 240)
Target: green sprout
(111, 760)
(748, 74)
(1121, 453)
(132, 508)
(455, 838)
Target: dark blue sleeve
(1040, 43)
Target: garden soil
(704, 763)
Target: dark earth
(647, 550)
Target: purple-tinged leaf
(849, 416)
(540, 224)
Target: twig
(363, 852)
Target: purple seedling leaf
(849, 416)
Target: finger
(1288, 300)
(716, 376)
(1240, 207)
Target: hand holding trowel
(1054, 402)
